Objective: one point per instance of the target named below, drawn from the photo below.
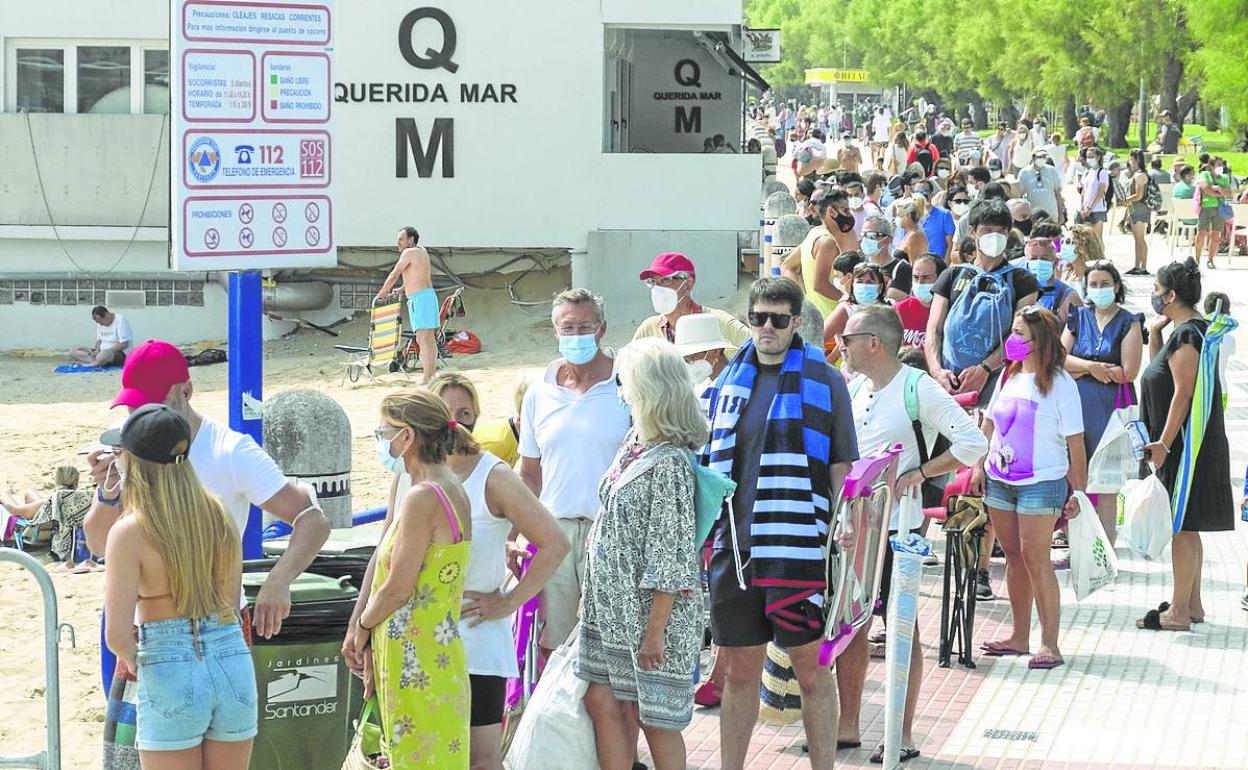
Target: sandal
(1152, 622)
(1001, 650)
(1045, 661)
(907, 753)
(1166, 605)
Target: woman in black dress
(1168, 385)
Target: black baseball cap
(154, 433)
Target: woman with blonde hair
(910, 213)
(175, 556)
(641, 610)
(1079, 249)
(64, 510)
(410, 620)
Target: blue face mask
(1042, 269)
(1067, 253)
(923, 291)
(866, 293)
(1102, 296)
(578, 349)
(870, 247)
(387, 460)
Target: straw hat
(698, 333)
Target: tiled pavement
(1126, 698)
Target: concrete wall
(615, 258)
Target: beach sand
(48, 417)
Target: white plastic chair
(1182, 222)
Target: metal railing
(50, 757)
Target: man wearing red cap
(230, 464)
(671, 277)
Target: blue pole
(246, 376)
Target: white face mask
(855, 203)
(699, 370)
(959, 208)
(119, 467)
(993, 244)
(664, 299)
(1219, 170)
(942, 173)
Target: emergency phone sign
(251, 148)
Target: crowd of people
(947, 280)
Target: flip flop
(878, 637)
(1166, 605)
(906, 754)
(1000, 650)
(1152, 622)
(1045, 661)
(840, 746)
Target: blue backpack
(979, 318)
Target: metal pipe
(168, 276)
(50, 758)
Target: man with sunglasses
(671, 278)
(763, 546)
(572, 423)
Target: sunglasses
(1031, 311)
(841, 339)
(778, 320)
(876, 236)
(961, 200)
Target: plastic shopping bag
(1093, 563)
(1148, 523)
(556, 730)
(1114, 461)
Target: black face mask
(844, 222)
(1023, 225)
(813, 221)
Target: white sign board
(251, 146)
(761, 46)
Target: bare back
(413, 267)
(155, 599)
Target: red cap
(151, 369)
(666, 264)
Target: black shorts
(489, 697)
(886, 577)
(738, 618)
(118, 359)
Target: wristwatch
(987, 369)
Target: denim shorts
(196, 682)
(1040, 498)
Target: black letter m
(689, 122)
(406, 137)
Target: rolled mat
(780, 696)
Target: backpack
(1152, 195)
(978, 319)
(933, 488)
(923, 156)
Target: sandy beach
(47, 417)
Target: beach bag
(1114, 462)
(979, 317)
(711, 490)
(366, 747)
(556, 730)
(779, 695)
(464, 343)
(1093, 563)
(1148, 523)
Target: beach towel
(84, 369)
(1202, 403)
(792, 512)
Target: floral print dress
(419, 666)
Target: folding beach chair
(384, 325)
(452, 307)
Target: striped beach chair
(385, 325)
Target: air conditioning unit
(128, 298)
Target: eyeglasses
(667, 280)
(380, 433)
(568, 331)
(759, 319)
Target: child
(175, 558)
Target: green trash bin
(307, 695)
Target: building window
(41, 79)
(155, 81)
(104, 79)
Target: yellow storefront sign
(824, 75)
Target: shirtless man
(849, 155)
(422, 301)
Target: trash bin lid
(349, 540)
(306, 589)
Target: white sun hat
(698, 333)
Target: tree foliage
(1221, 27)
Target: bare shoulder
(414, 254)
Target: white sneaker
(931, 560)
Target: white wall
(701, 14)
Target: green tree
(1219, 28)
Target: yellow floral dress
(419, 665)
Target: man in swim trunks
(422, 301)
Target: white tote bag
(555, 730)
(1093, 563)
(1148, 523)
(1113, 462)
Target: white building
(568, 126)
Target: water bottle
(1138, 437)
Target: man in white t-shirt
(870, 343)
(572, 423)
(112, 339)
(230, 464)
